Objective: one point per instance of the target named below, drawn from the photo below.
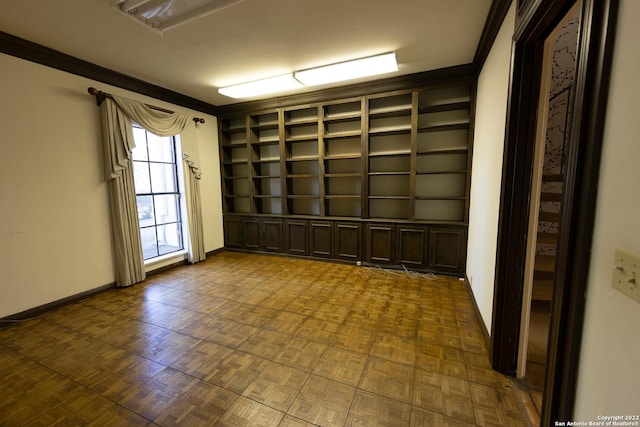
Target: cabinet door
(297, 237)
(412, 247)
(380, 244)
(447, 249)
(321, 239)
(233, 237)
(251, 232)
(348, 241)
(272, 240)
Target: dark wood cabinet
(321, 239)
(348, 238)
(272, 235)
(447, 249)
(380, 244)
(412, 246)
(252, 233)
(420, 247)
(297, 237)
(400, 245)
(233, 236)
(258, 234)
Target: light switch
(625, 274)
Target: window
(157, 193)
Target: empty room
(336, 213)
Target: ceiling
(253, 39)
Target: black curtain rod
(100, 96)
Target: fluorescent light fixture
(349, 70)
(261, 87)
(161, 15)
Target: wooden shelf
(343, 175)
(234, 144)
(454, 106)
(443, 151)
(392, 111)
(391, 153)
(302, 122)
(389, 197)
(445, 172)
(236, 162)
(440, 198)
(270, 141)
(302, 138)
(302, 159)
(389, 173)
(343, 156)
(266, 176)
(399, 156)
(265, 126)
(441, 128)
(342, 135)
(301, 175)
(345, 117)
(343, 196)
(390, 130)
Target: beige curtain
(117, 115)
(158, 122)
(194, 210)
(117, 136)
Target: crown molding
(495, 18)
(24, 49)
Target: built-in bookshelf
(234, 158)
(380, 177)
(442, 155)
(342, 130)
(393, 156)
(389, 156)
(264, 139)
(301, 161)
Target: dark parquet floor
(252, 340)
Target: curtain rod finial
(100, 96)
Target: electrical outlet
(625, 277)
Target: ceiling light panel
(163, 15)
(349, 70)
(261, 87)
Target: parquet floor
(252, 340)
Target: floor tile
(323, 402)
(341, 365)
(447, 395)
(301, 354)
(369, 409)
(246, 412)
(390, 379)
(277, 386)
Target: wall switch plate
(626, 274)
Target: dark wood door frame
(597, 29)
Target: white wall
(486, 172)
(609, 370)
(55, 237)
